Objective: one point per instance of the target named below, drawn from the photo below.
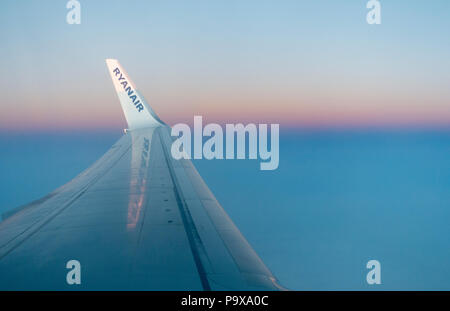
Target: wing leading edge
(135, 220)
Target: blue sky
(300, 63)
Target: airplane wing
(137, 219)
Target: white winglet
(138, 113)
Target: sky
(298, 63)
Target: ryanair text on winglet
(128, 89)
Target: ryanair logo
(130, 92)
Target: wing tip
(138, 112)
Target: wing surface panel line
(189, 226)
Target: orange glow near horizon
(314, 111)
